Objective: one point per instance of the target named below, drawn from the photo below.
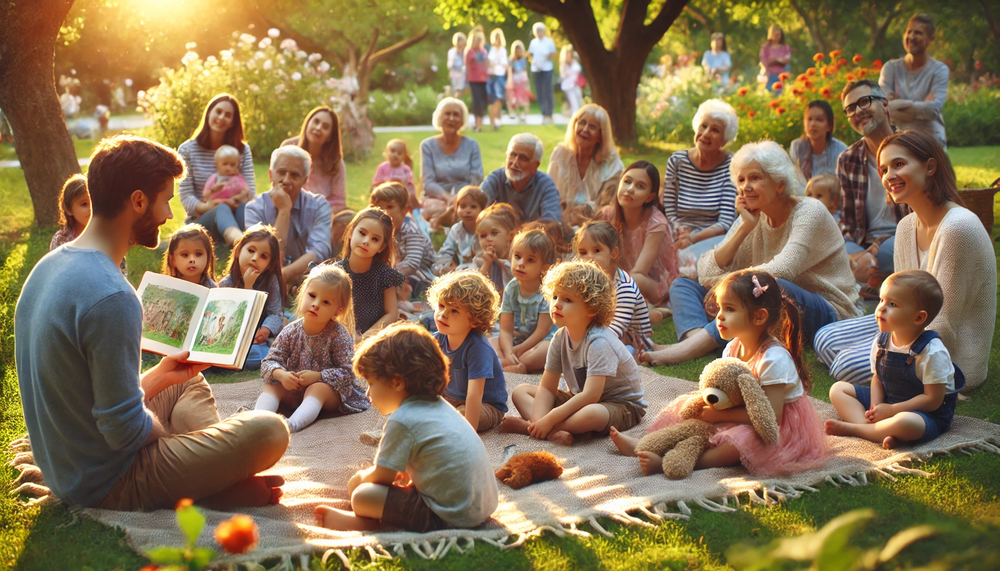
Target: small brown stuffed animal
(724, 383)
(528, 468)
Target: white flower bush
(276, 87)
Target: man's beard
(146, 231)
(512, 177)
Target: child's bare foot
(651, 463)
(518, 368)
(515, 425)
(332, 518)
(561, 437)
(838, 428)
(890, 442)
(255, 491)
(625, 444)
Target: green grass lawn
(962, 500)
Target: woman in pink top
(774, 56)
(320, 137)
(477, 73)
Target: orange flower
(774, 104)
(183, 503)
(819, 57)
(149, 568)
(777, 86)
(808, 84)
(796, 91)
(857, 58)
(834, 54)
(742, 91)
(825, 92)
(783, 77)
(842, 61)
(862, 73)
(811, 71)
(751, 113)
(877, 64)
(779, 110)
(850, 77)
(802, 77)
(238, 534)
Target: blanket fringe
(340, 555)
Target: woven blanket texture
(597, 481)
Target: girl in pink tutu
(754, 315)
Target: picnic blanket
(597, 482)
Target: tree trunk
(29, 100)
(613, 75)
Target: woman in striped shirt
(221, 125)
(698, 196)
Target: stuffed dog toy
(529, 468)
(724, 383)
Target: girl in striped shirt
(599, 241)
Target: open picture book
(216, 325)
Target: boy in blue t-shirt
(465, 308)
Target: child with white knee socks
(310, 363)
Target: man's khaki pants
(200, 455)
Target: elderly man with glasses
(867, 219)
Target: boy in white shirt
(914, 384)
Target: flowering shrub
(666, 107)
(276, 83)
(972, 113)
(410, 107)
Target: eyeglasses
(862, 103)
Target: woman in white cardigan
(793, 238)
(939, 236)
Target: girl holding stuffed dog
(762, 327)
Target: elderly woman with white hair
(698, 195)
(586, 166)
(779, 232)
(448, 161)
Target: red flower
(857, 58)
(877, 64)
(834, 54)
(783, 77)
(811, 71)
(842, 61)
(751, 113)
(978, 65)
(808, 84)
(975, 86)
(774, 104)
(183, 503)
(802, 77)
(149, 568)
(779, 110)
(825, 92)
(796, 91)
(777, 86)
(819, 57)
(850, 77)
(742, 91)
(238, 534)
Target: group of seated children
(581, 320)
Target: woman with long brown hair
(220, 125)
(320, 137)
(940, 236)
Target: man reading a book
(104, 435)
(301, 218)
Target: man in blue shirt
(301, 218)
(102, 434)
(532, 193)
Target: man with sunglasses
(868, 222)
(917, 84)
